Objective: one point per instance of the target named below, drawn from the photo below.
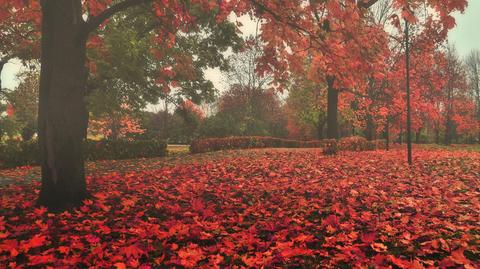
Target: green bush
(14, 154)
(18, 153)
(124, 149)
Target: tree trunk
(370, 128)
(320, 125)
(387, 134)
(332, 109)
(417, 136)
(448, 131)
(409, 108)
(2, 64)
(62, 111)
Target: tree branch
(366, 4)
(279, 18)
(96, 21)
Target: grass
(453, 147)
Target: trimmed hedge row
(246, 142)
(20, 153)
(354, 143)
(124, 149)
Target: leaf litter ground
(271, 208)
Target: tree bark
(387, 134)
(2, 64)
(409, 108)
(448, 130)
(332, 109)
(320, 125)
(62, 110)
(370, 128)
(417, 135)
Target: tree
(19, 35)
(305, 110)
(247, 111)
(66, 27)
(130, 67)
(250, 106)
(343, 44)
(473, 73)
(24, 101)
(353, 48)
(116, 124)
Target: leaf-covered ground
(271, 208)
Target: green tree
(24, 100)
(305, 110)
(129, 67)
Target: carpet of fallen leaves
(269, 208)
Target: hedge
(17, 153)
(330, 146)
(124, 149)
(246, 142)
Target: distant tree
(305, 110)
(250, 106)
(116, 124)
(473, 73)
(157, 124)
(186, 121)
(24, 102)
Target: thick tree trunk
(332, 109)
(62, 111)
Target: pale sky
(465, 36)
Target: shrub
(124, 149)
(14, 154)
(355, 143)
(18, 153)
(379, 144)
(244, 142)
(330, 147)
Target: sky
(465, 36)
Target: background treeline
(128, 74)
(250, 107)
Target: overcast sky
(465, 36)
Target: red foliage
(194, 109)
(355, 143)
(272, 209)
(10, 110)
